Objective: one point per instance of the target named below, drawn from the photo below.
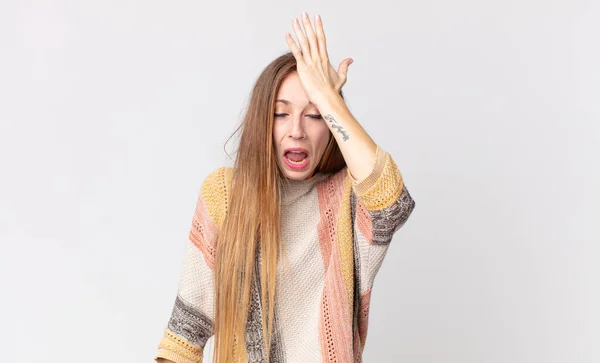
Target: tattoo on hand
(339, 128)
(330, 118)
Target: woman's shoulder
(218, 178)
(216, 186)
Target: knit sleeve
(381, 205)
(192, 318)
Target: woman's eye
(317, 117)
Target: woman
(284, 247)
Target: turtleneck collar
(292, 189)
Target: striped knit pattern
(335, 233)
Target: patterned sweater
(335, 233)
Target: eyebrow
(288, 102)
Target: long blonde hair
(253, 216)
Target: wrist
(327, 99)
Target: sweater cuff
(383, 186)
(362, 186)
(178, 349)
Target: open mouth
(296, 159)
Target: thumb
(343, 67)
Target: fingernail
(351, 61)
(318, 17)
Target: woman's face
(300, 134)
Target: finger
(343, 67)
(293, 47)
(312, 38)
(302, 40)
(321, 39)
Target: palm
(316, 72)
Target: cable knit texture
(336, 231)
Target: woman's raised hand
(317, 75)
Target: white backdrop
(113, 112)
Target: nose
(296, 128)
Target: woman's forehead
(292, 91)
(294, 102)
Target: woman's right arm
(192, 319)
(381, 205)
